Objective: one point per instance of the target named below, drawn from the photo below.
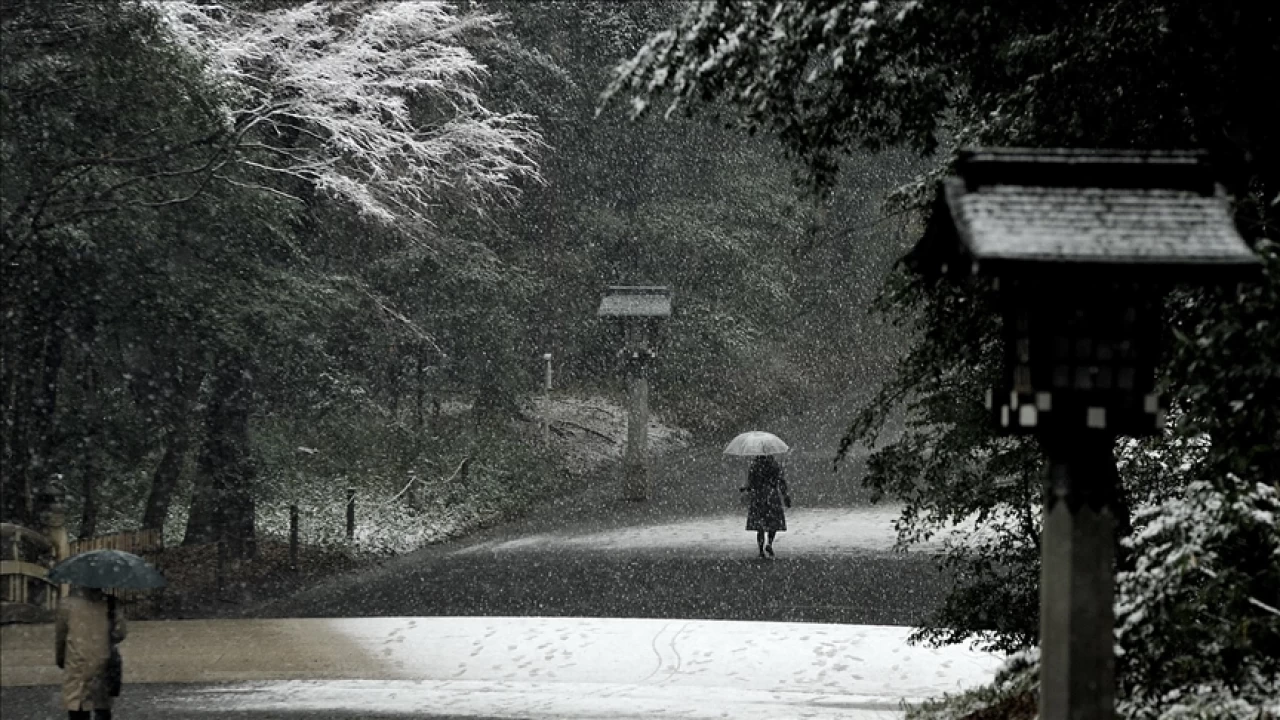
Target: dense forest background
(217, 303)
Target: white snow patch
(619, 668)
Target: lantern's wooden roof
(635, 301)
(1155, 209)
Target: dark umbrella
(107, 569)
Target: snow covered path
(511, 668)
(813, 531)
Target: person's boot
(769, 549)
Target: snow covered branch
(1248, 598)
(1194, 635)
(377, 103)
(751, 52)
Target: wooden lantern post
(54, 502)
(1082, 246)
(639, 311)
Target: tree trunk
(34, 336)
(419, 391)
(202, 525)
(33, 414)
(88, 506)
(165, 478)
(14, 476)
(47, 398)
(8, 382)
(87, 458)
(22, 352)
(222, 507)
(204, 520)
(177, 442)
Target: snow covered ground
(613, 668)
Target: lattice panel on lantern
(1079, 362)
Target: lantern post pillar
(635, 462)
(1077, 583)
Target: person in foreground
(768, 496)
(88, 627)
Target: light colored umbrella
(756, 442)
(107, 569)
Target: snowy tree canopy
(828, 76)
(811, 71)
(750, 45)
(378, 104)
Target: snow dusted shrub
(1197, 624)
(384, 524)
(411, 490)
(1010, 696)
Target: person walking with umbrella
(89, 626)
(766, 485)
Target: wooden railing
(26, 557)
(138, 542)
(24, 573)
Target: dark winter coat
(768, 494)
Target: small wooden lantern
(1082, 246)
(640, 312)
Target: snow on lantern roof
(635, 301)
(1032, 208)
